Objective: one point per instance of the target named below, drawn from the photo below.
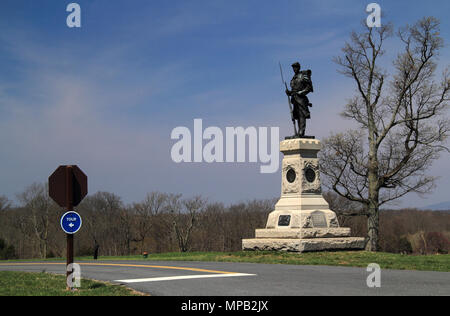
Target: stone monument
(302, 220)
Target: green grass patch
(340, 258)
(14, 283)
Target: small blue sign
(71, 222)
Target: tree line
(160, 223)
(165, 222)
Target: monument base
(305, 233)
(304, 245)
(303, 240)
(302, 220)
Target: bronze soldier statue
(301, 85)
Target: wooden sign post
(67, 186)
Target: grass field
(341, 258)
(344, 258)
(46, 284)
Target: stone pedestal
(302, 220)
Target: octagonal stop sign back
(58, 185)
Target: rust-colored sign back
(58, 185)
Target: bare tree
(5, 204)
(154, 204)
(102, 213)
(402, 121)
(184, 216)
(42, 210)
(127, 222)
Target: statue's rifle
(289, 100)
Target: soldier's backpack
(309, 73)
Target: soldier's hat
(296, 64)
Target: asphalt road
(247, 279)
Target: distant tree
(349, 213)
(102, 220)
(184, 216)
(41, 211)
(343, 206)
(154, 204)
(404, 246)
(5, 204)
(437, 243)
(6, 251)
(402, 122)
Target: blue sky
(107, 95)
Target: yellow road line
(118, 265)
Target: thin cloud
(108, 97)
